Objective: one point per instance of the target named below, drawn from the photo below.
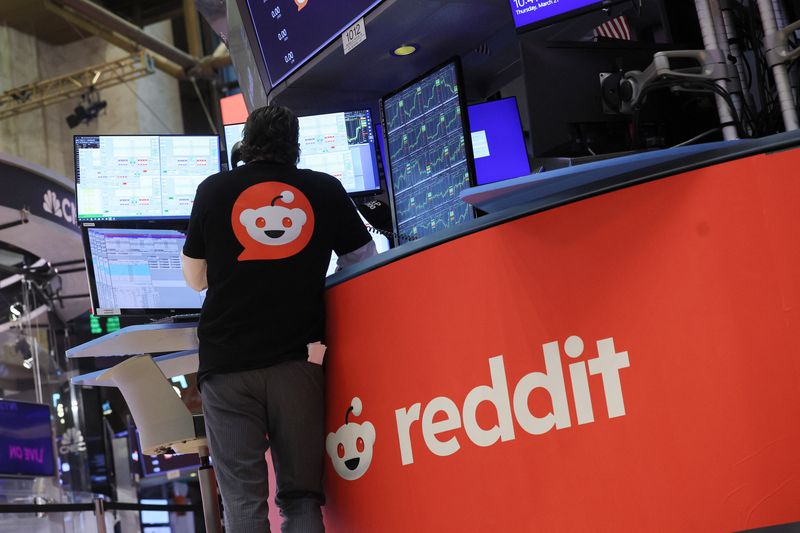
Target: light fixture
(405, 50)
(16, 310)
(87, 110)
(28, 363)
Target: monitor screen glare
(339, 144)
(497, 141)
(140, 177)
(429, 163)
(527, 12)
(139, 269)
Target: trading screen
(428, 155)
(289, 32)
(141, 177)
(139, 269)
(339, 144)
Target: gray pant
(282, 403)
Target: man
(260, 238)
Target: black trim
(774, 143)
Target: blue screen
(291, 31)
(26, 439)
(534, 11)
(497, 141)
(429, 163)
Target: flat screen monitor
(340, 144)
(141, 177)
(290, 32)
(138, 272)
(430, 155)
(26, 440)
(531, 14)
(498, 144)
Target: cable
(205, 108)
(697, 137)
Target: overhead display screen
(26, 439)
(144, 177)
(340, 144)
(289, 32)
(527, 12)
(430, 160)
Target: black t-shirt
(267, 231)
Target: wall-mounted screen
(340, 144)
(497, 141)
(26, 440)
(141, 177)
(534, 13)
(290, 32)
(430, 154)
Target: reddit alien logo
(350, 448)
(272, 220)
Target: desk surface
(174, 364)
(135, 340)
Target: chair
(165, 424)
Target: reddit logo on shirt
(272, 220)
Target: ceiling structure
(33, 18)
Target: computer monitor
(138, 272)
(340, 144)
(26, 440)
(498, 144)
(430, 155)
(141, 177)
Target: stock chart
(428, 154)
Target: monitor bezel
(150, 312)
(521, 128)
(82, 221)
(365, 192)
(555, 19)
(53, 444)
(462, 100)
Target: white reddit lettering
(607, 364)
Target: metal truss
(74, 85)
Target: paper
(316, 352)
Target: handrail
(107, 505)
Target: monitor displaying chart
(141, 177)
(340, 144)
(430, 159)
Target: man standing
(260, 238)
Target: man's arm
(194, 272)
(356, 256)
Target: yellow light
(405, 50)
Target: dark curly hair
(271, 134)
